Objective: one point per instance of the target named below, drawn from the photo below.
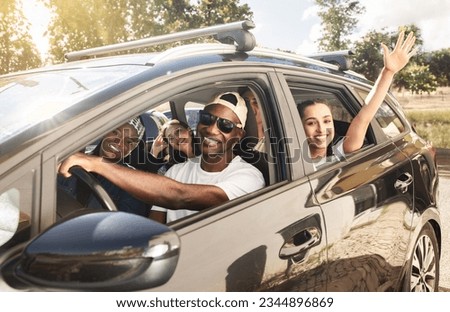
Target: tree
(368, 60)
(213, 12)
(79, 25)
(17, 50)
(339, 19)
(407, 29)
(418, 79)
(439, 64)
(157, 17)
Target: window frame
(135, 102)
(348, 99)
(390, 102)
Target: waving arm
(394, 61)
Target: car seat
(246, 147)
(138, 157)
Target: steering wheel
(99, 192)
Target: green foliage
(214, 12)
(84, 24)
(79, 25)
(407, 29)
(368, 59)
(418, 79)
(439, 64)
(339, 19)
(17, 50)
(157, 17)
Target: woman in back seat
(318, 120)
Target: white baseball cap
(233, 101)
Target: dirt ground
(440, 99)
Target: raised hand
(158, 145)
(397, 59)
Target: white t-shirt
(237, 179)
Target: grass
(430, 113)
(432, 125)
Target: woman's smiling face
(319, 128)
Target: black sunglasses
(224, 125)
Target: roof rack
(233, 33)
(339, 58)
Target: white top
(237, 179)
(338, 155)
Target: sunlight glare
(38, 16)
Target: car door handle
(300, 243)
(402, 183)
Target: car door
(272, 239)
(366, 198)
(367, 219)
(19, 206)
(251, 246)
(269, 240)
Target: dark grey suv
(369, 222)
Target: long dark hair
(301, 107)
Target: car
(368, 222)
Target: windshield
(28, 99)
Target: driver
(114, 147)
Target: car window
(191, 110)
(389, 121)
(184, 107)
(44, 95)
(341, 114)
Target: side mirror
(103, 251)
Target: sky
(294, 25)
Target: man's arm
(148, 187)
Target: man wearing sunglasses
(216, 176)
